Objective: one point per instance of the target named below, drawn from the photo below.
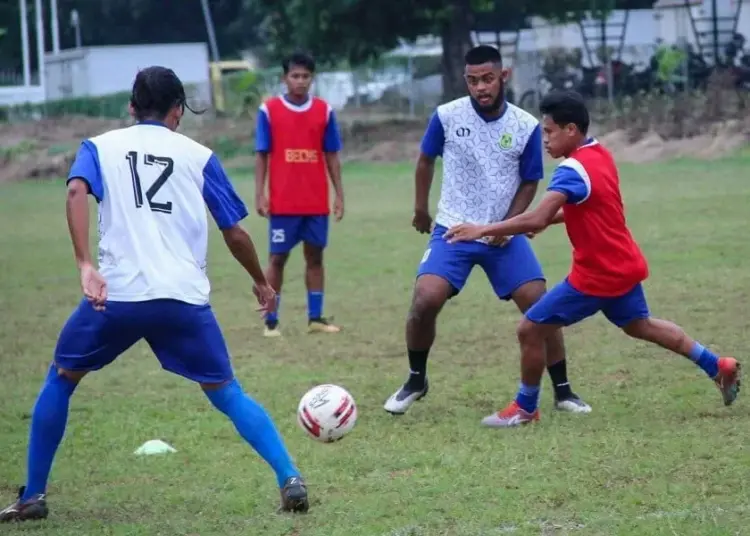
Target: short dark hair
(298, 59)
(565, 107)
(156, 90)
(483, 54)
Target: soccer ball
(327, 413)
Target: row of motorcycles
(628, 79)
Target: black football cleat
(294, 496)
(33, 509)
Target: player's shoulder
(459, 105)
(521, 116)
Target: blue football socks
(528, 397)
(48, 422)
(255, 426)
(314, 305)
(273, 318)
(705, 359)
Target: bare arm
(77, 210)
(533, 221)
(422, 182)
(261, 172)
(523, 198)
(241, 245)
(558, 218)
(333, 163)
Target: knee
(638, 329)
(426, 304)
(278, 261)
(527, 331)
(313, 257)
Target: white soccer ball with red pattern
(327, 413)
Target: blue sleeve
(433, 140)
(87, 168)
(222, 201)
(572, 182)
(262, 132)
(532, 161)
(332, 137)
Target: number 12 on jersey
(150, 160)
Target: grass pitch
(659, 455)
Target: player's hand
(498, 241)
(338, 208)
(465, 232)
(94, 286)
(266, 297)
(422, 221)
(261, 205)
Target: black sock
(559, 375)
(418, 369)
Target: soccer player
(492, 165)
(297, 143)
(152, 186)
(608, 266)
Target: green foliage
(112, 106)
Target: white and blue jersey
(485, 160)
(152, 186)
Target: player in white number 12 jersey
(152, 186)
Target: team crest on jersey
(505, 141)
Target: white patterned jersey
(484, 160)
(153, 186)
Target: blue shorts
(285, 232)
(186, 338)
(564, 305)
(508, 267)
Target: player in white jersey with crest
(152, 186)
(492, 165)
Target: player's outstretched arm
(533, 221)
(228, 211)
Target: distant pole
(75, 22)
(715, 28)
(25, 54)
(54, 22)
(211, 31)
(40, 44)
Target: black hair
(565, 107)
(298, 59)
(483, 54)
(156, 90)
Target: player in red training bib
(608, 266)
(297, 143)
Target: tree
(358, 30)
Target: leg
(515, 273)
(442, 274)
(561, 306)
(565, 399)
(89, 341)
(187, 341)
(314, 234)
(631, 313)
(283, 235)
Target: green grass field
(659, 455)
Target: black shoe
(31, 509)
(294, 496)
